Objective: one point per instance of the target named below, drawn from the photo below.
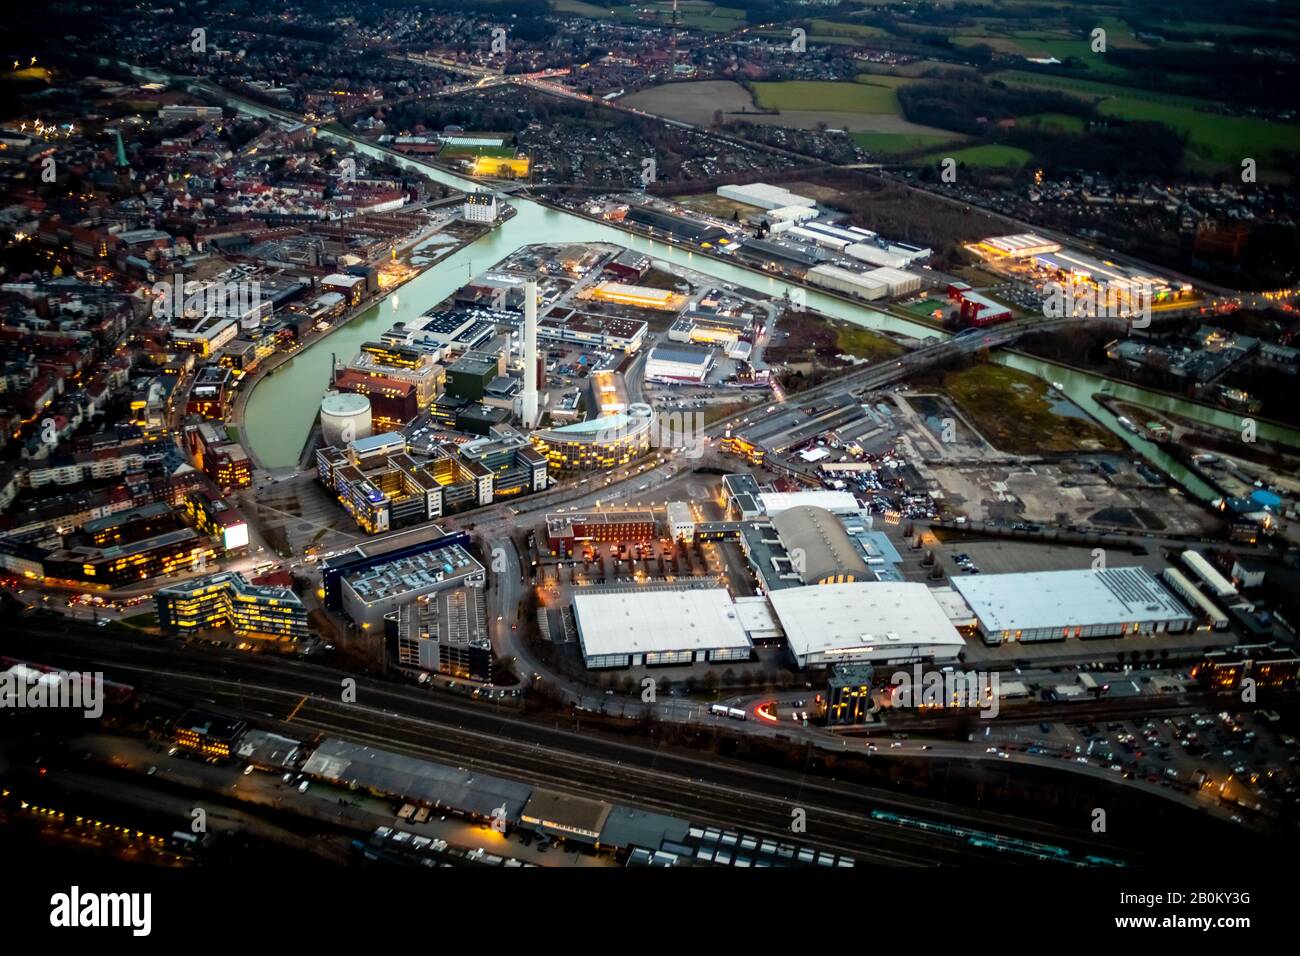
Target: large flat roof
(410, 778)
(874, 617)
(1078, 598)
(836, 502)
(646, 620)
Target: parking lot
(1237, 761)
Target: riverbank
(249, 384)
(547, 219)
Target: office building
(574, 527)
(121, 564)
(1269, 666)
(386, 584)
(207, 734)
(598, 443)
(227, 601)
(444, 633)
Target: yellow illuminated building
(502, 167)
(642, 297)
(228, 600)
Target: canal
(282, 407)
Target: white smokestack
(529, 404)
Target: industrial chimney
(529, 404)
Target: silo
(344, 417)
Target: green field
(926, 309)
(865, 344)
(894, 143)
(874, 94)
(829, 28)
(1014, 411)
(577, 8)
(1090, 89)
(1057, 122)
(691, 14)
(1212, 137)
(991, 155)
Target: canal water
(282, 407)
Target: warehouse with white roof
(636, 627)
(836, 502)
(884, 622)
(1055, 605)
(764, 196)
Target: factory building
(606, 332)
(1195, 599)
(874, 255)
(764, 196)
(791, 214)
(469, 376)
(393, 403)
(352, 288)
(683, 228)
(819, 549)
(209, 735)
(678, 363)
(648, 627)
(705, 328)
(227, 600)
(880, 622)
(446, 332)
(638, 296)
(979, 311)
(1055, 605)
(401, 363)
(847, 281)
(774, 503)
(896, 281)
(627, 266)
(1020, 246)
(1203, 571)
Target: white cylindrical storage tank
(344, 417)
